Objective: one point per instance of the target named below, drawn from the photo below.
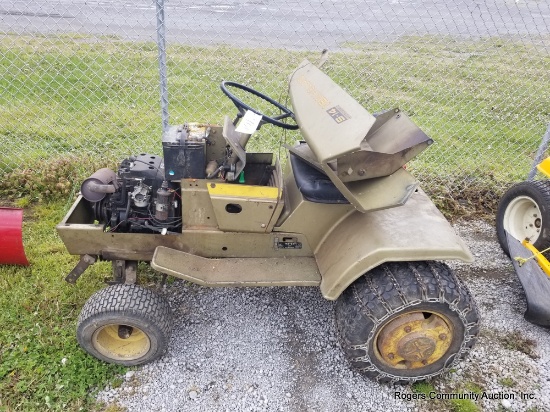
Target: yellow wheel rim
(414, 340)
(121, 342)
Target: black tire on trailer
(524, 211)
(406, 321)
(125, 324)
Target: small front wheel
(524, 212)
(404, 322)
(125, 324)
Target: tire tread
(390, 288)
(133, 300)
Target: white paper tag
(249, 123)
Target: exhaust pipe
(96, 187)
(11, 238)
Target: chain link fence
(80, 78)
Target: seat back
(314, 185)
(355, 149)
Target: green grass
(41, 364)
(423, 387)
(507, 382)
(484, 102)
(463, 405)
(454, 405)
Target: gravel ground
(275, 349)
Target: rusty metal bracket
(124, 271)
(130, 272)
(81, 266)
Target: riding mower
(523, 231)
(344, 216)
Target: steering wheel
(243, 107)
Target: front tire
(125, 324)
(403, 322)
(524, 212)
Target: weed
(117, 382)
(22, 202)
(423, 387)
(54, 179)
(507, 382)
(473, 387)
(517, 342)
(463, 405)
(115, 408)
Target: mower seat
(314, 185)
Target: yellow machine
(343, 216)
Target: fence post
(540, 153)
(161, 44)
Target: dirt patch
(497, 275)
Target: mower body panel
(12, 251)
(315, 245)
(349, 144)
(282, 271)
(82, 236)
(416, 231)
(362, 209)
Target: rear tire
(524, 212)
(403, 322)
(125, 324)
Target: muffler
(11, 238)
(98, 185)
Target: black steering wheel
(243, 107)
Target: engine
(136, 199)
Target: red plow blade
(11, 238)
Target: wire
(175, 192)
(521, 260)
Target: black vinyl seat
(314, 185)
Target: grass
(484, 102)
(463, 405)
(507, 382)
(41, 364)
(516, 341)
(454, 405)
(423, 387)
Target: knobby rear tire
(367, 312)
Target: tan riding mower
(344, 216)
(523, 231)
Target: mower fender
(535, 282)
(415, 231)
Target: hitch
(124, 271)
(83, 264)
